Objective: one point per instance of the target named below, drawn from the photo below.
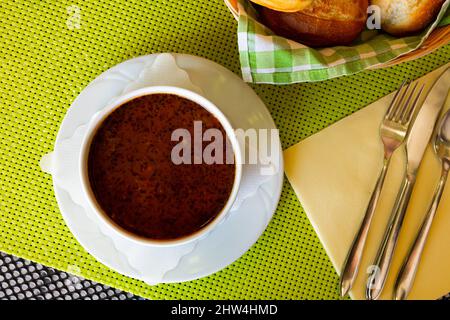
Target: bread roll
(406, 17)
(324, 23)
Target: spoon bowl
(442, 140)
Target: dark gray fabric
(22, 279)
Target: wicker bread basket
(438, 38)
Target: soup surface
(134, 179)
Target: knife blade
(416, 143)
(423, 127)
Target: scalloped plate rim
(277, 181)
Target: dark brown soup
(134, 179)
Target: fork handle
(354, 257)
(380, 268)
(408, 272)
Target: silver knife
(416, 143)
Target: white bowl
(98, 119)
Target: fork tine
(405, 108)
(393, 106)
(413, 107)
(400, 103)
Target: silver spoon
(408, 272)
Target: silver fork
(393, 130)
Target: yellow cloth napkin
(333, 173)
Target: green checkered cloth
(267, 58)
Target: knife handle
(353, 261)
(378, 275)
(408, 272)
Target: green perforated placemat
(50, 50)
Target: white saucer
(230, 239)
